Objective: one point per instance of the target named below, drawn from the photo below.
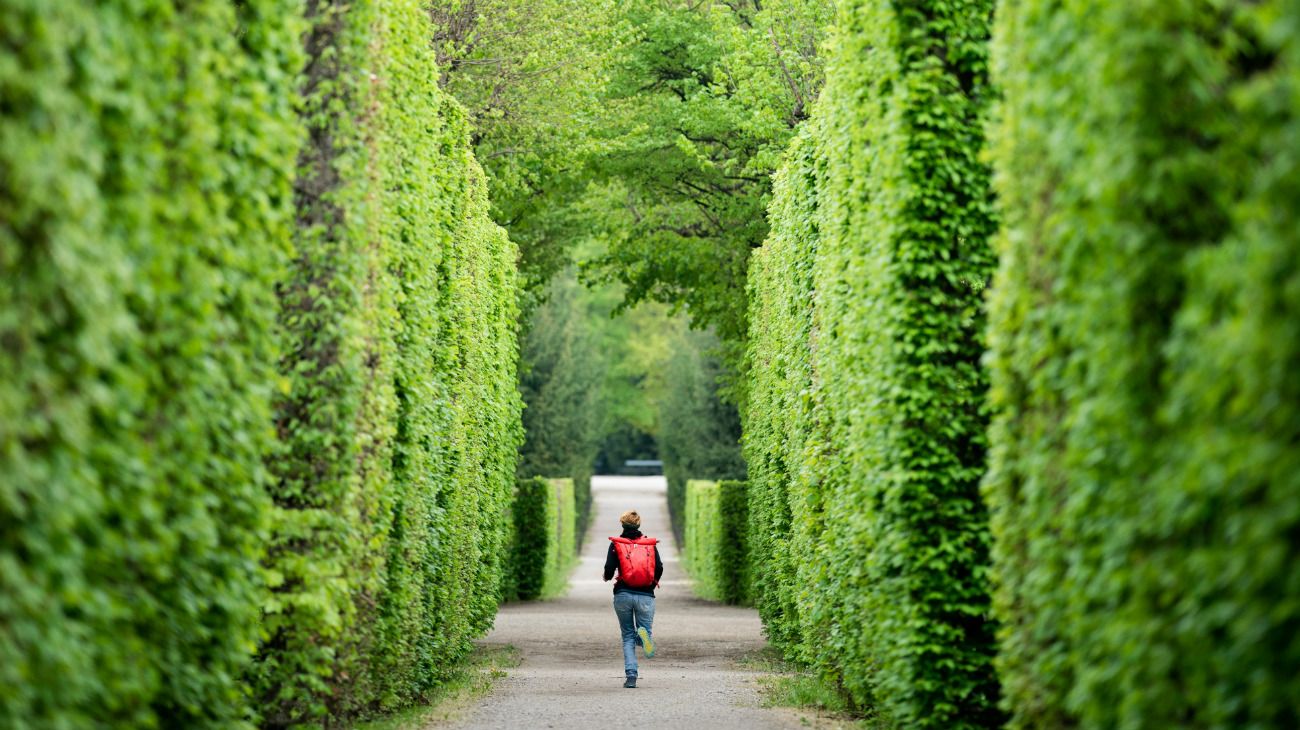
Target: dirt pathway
(571, 675)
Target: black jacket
(611, 565)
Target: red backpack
(636, 561)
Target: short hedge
(1145, 354)
(544, 544)
(716, 526)
(566, 536)
(865, 424)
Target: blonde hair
(630, 519)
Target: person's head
(631, 519)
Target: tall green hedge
(544, 543)
(400, 419)
(716, 529)
(786, 444)
(146, 154)
(878, 532)
(260, 415)
(335, 418)
(1145, 336)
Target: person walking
(636, 559)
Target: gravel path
(571, 675)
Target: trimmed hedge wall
(544, 547)
(566, 535)
(786, 443)
(1145, 336)
(146, 155)
(401, 417)
(866, 427)
(716, 527)
(255, 468)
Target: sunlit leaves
(865, 428)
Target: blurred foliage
(698, 431)
(716, 530)
(602, 389)
(1145, 357)
(146, 155)
(866, 425)
(562, 381)
(583, 377)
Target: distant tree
(563, 386)
(701, 100)
(530, 73)
(699, 432)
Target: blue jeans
(633, 610)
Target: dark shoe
(630, 683)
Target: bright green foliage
(1145, 336)
(477, 336)
(530, 75)
(146, 153)
(900, 274)
(704, 537)
(676, 111)
(701, 99)
(336, 417)
(870, 513)
(698, 432)
(785, 442)
(204, 398)
(715, 555)
(733, 554)
(566, 540)
(400, 421)
(543, 546)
